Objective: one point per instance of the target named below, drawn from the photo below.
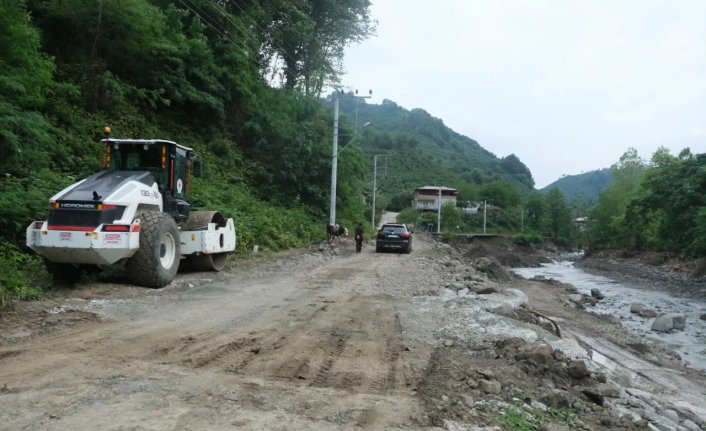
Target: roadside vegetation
(658, 205)
(240, 83)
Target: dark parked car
(394, 236)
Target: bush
(257, 222)
(528, 238)
(22, 275)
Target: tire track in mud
(323, 376)
(324, 336)
(351, 343)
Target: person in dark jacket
(358, 238)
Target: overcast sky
(566, 85)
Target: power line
(246, 34)
(257, 26)
(229, 17)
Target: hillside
(584, 187)
(418, 149)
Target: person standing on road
(358, 238)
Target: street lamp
(334, 156)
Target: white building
(428, 198)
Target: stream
(689, 343)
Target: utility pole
(438, 214)
(334, 153)
(485, 213)
(375, 184)
(334, 163)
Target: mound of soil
(492, 268)
(504, 250)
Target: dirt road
(307, 340)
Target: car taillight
(406, 235)
(381, 234)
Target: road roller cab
(135, 210)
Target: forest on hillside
(239, 81)
(583, 188)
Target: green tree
(25, 78)
(668, 213)
(536, 212)
(310, 36)
(516, 168)
(451, 220)
(500, 193)
(608, 228)
(559, 224)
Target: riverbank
(657, 271)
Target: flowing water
(689, 343)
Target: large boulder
(679, 322)
(666, 323)
(578, 370)
(596, 293)
(663, 324)
(648, 313)
(636, 307)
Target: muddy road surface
(329, 340)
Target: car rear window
(394, 229)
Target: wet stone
(539, 406)
(636, 308)
(596, 293)
(648, 313)
(690, 425)
(679, 322)
(492, 387)
(577, 369)
(663, 324)
(670, 414)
